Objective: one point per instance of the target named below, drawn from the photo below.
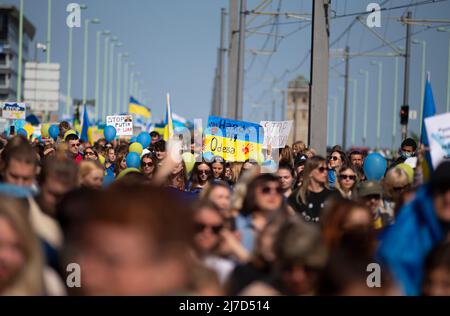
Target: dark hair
(154, 161)
(160, 145)
(438, 257)
(409, 142)
(154, 133)
(342, 155)
(440, 179)
(63, 169)
(250, 203)
(18, 148)
(195, 174)
(355, 152)
(71, 137)
(287, 166)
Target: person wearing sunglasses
(347, 181)
(310, 199)
(335, 162)
(371, 194)
(263, 200)
(73, 147)
(148, 165)
(90, 154)
(201, 174)
(395, 184)
(209, 227)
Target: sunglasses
(89, 153)
(334, 158)
(399, 189)
(200, 227)
(322, 169)
(345, 176)
(75, 145)
(268, 190)
(372, 197)
(147, 164)
(203, 171)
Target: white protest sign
(122, 123)
(438, 132)
(276, 133)
(13, 111)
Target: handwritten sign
(276, 133)
(438, 132)
(232, 140)
(13, 111)
(122, 123)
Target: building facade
(298, 109)
(9, 50)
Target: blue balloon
(374, 166)
(208, 156)
(53, 131)
(144, 139)
(23, 132)
(133, 139)
(133, 160)
(110, 133)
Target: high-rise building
(297, 111)
(9, 50)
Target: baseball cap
(370, 187)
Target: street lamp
(443, 29)
(97, 71)
(366, 102)
(69, 67)
(380, 75)
(422, 88)
(85, 63)
(119, 77)
(355, 91)
(114, 43)
(335, 103)
(394, 110)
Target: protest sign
(276, 133)
(122, 123)
(232, 140)
(13, 111)
(438, 132)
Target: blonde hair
(236, 168)
(395, 177)
(86, 166)
(29, 280)
(310, 165)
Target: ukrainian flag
(429, 109)
(134, 107)
(168, 128)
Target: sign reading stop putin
(122, 123)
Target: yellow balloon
(29, 128)
(44, 130)
(101, 159)
(189, 161)
(135, 148)
(69, 132)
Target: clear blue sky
(174, 44)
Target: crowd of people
(311, 226)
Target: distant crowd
(180, 225)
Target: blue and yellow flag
(85, 125)
(168, 123)
(134, 107)
(429, 109)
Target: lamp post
(366, 102)
(19, 70)
(447, 108)
(69, 67)
(422, 88)
(97, 71)
(85, 59)
(355, 93)
(114, 43)
(394, 110)
(119, 79)
(380, 76)
(49, 30)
